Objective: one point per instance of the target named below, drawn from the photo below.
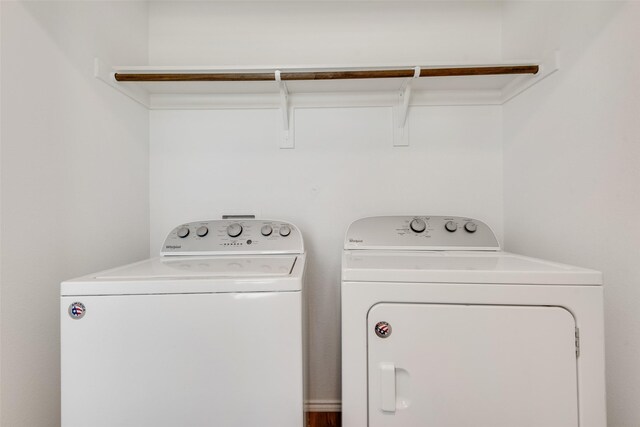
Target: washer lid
(460, 267)
(205, 267)
(194, 275)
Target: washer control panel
(234, 236)
(420, 233)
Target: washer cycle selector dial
(451, 226)
(234, 230)
(418, 225)
(266, 230)
(183, 232)
(285, 230)
(202, 231)
(471, 227)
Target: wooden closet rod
(325, 75)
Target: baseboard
(323, 405)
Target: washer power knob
(471, 227)
(202, 231)
(451, 226)
(266, 230)
(418, 225)
(285, 230)
(234, 230)
(183, 232)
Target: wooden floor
(323, 419)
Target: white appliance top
(234, 236)
(461, 267)
(245, 255)
(202, 267)
(427, 233)
(194, 274)
(397, 249)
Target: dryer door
(435, 365)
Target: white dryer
(441, 328)
(208, 334)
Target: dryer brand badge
(77, 310)
(383, 329)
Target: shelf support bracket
(401, 128)
(286, 128)
(104, 73)
(550, 64)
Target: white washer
(208, 334)
(441, 328)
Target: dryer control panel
(420, 232)
(234, 236)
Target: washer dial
(266, 230)
(285, 230)
(234, 230)
(471, 227)
(451, 226)
(183, 232)
(202, 231)
(418, 225)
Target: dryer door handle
(388, 387)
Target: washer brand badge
(355, 240)
(173, 246)
(77, 310)
(383, 329)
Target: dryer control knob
(285, 230)
(183, 232)
(451, 226)
(471, 227)
(418, 225)
(202, 231)
(234, 230)
(266, 230)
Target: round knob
(202, 231)
(285, 230)
(418, 225)
(266, 230)
(471, 227)
(234, 230)
(451, 226)
(183, 232)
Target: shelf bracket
(401, 128)
(286, 128)
(104, 73)
(550, 64)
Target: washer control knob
(234, 230)
(266, 230)
(183, 232)
(202, 231)
(285, 230)
(471, 227)
(451, 226)
(418, 225)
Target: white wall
(0, 214)
(322, 32)
(74, 180)
(207, 163)
(572, 164)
